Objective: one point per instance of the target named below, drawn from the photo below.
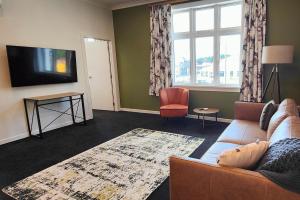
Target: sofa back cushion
(288, 107)
(289, 128)
(276, 119)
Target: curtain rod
(172, 2)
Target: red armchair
(174, 102)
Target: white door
(99, 73)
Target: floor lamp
(279, 54)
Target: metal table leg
(203, 121)
(38, 118)
(83, 109)
(27, 118)
(72, 109)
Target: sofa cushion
(173, 110)
(266, 114)
(289, 128)
(212, 154)
(243, 132)
(244, 156)
(276, 119)
(287, 107)
(174, 107)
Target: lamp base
(275, 72)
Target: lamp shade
(278, 54)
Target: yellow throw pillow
(245, 156)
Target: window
(207, 45)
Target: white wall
(58, 24)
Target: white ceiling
(112, 2)
(117, 4)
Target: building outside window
(207, 44)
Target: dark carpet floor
(25, 157)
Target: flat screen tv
(37, 66)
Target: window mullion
(192, 46)
(217, 45)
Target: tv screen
(36, 66)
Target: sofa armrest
(248, 111)
(190, 179)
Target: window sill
(210, 88)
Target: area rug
(129, 167)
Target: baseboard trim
(34, 132)
(140, 111)
(189, 116)
(14, 138)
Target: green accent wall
(132, 34)
(283, 28)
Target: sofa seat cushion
(212, 154)
(243, 132)
(174, 107)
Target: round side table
(206, 111)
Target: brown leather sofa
(204, 179)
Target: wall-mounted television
(38, 66)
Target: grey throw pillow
(266, 115)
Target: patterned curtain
(255, 12)
(160, 57)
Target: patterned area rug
(129, 167)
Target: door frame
(113, 70)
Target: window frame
(216, 33)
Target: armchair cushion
(174, 107)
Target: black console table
(41, 101)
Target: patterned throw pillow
(267, 112)
(245, 156)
